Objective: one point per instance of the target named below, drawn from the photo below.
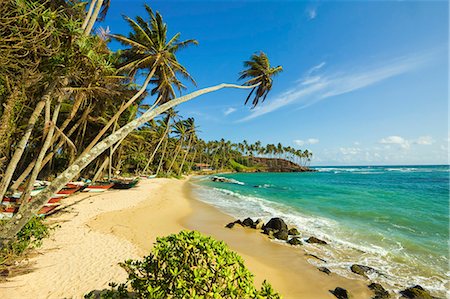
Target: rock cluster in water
(276, 228)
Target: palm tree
(260, 72)
(191, 132)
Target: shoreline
(101, 231)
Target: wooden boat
(47, 210)
(8, 212)
(72, 185)
(7, 201)
(69, 191)
(124, 184)
(98, 187)
(54, 200)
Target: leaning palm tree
(259, 72)
(18, 221)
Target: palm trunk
(118, 113)
(177, 151)
(45, 146)
(9, 230)
(162, 155)
(185, 155)
(157, 146)
(192, 160)
(89, 14)
(100, 169)
(9, 172)
(93, 17)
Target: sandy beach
(102, 230)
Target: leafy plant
(188, 265)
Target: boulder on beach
(380, 292)
(281, 235)
(275, 224)
(248, 222)
(315, 240)
(324, 270)
(293, 232)
(340, 293)
(231, 224)
(416, 292)
(363, 270)
(258, 224)
(295, 241)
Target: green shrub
(188, 265)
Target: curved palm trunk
(157, 146)
(9, 172)
(9, 230)
(185, 155)
(45, 146)
(118, 113)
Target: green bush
(188, 265)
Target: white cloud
(350, 150)
(424, 140)
(314, 87)
(229, 111)
(312, 13)
(309, 141)
(398, 140)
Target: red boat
(9, 200)
(54, 200)
(8, 212)
(69, 190)
(98, 187)
(46, 210)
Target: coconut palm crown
(259, 71)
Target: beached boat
(69, 191)
(124, 184)
(8, 212)
(98, 187)
(7, 201)
(47, 210)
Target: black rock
(416, 292)
(248, 222)
(340, 293)
(293, 232)
(380, 292)
(281, 235)
(316, 241)
(231, 224)
(316, 257)
(258, 224)
(276, 224)
(324, 270)
(295, 241)
(362, 270)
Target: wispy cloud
(312, 13)
(424, 140)
(229, 110)
(308, 141)
(317, 85)
(397, 140)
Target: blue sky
(364, 83)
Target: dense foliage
(188, 265)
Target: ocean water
(392, 218)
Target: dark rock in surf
(295, 241)
(275, 224)
(340, 293)
(324, 270)
(316, 257)
(231, 224)
(248, 222)
(416, 292)
(380, 292)
(293, 232)
(314, 240)
(363, 270)
(281, 235)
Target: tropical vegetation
(187, 265)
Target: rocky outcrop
(363, 270)
(295, 241)
(258, 224)
(293, 232)
(416, 292)
(275, 224)
(324, 270)
(340, 293)
(314, 240)
(379, 291)
(277, 165)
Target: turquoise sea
(392, 218)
